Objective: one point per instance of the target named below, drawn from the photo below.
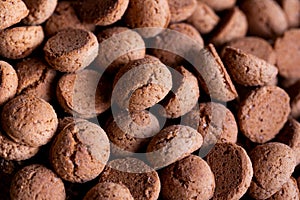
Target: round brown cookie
(36, 78)
(232, 169)
(118, 46)
(288, 55)
(101, 12)
(181, 9)
(12, 12)
(289, 190)
(11, 150)
(71, 50)
(265, 18)
(291, 9)
(189, 178)
(37, 182)
(172, 144)
(19, 42)
(131, 132)
(263, 113)
(80, 151)
(29, 120)
(39, 11)
(256, 46)
(233, 25)
(108, 191)
(83, 94)
(173, 53)
(212, 75)
(219, 5)
(9, 82)
(141, 180)
(273, 164)
(150, 17)
(204, 19)
(64, 17)
(247, 69)
(141, 84)
(185, 94)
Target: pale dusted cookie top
(9, 82)
(181, 9)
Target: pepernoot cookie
(36, 78)
(141, 180)
(71, 50)
(273, 164)
(39, 11)
(263, 113)
(19, 42)
(108, 191)
(189, 178)
(246, 69)
(29, 120)
(80, 151)
(12, 12)
(289, 190)
(141, 84)
(291, 9)
(9, 82)
(172, 144)
(219, 5)
(181, 9)
(232, 169)
(35, 182)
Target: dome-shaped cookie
(9, 82)
(181, 9)
(291, 9)
(289, 190)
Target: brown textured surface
(64, 122)
(36, 78)
(29, 120)
(141, 180)
(220, 5)
(19, 42)
(263, 113)
(189, 178)
(232, 169)
(39, 11)
(80, 151)
(108, 191)
(71, 50)
(295, 106)
(181, 9)
(172, 144)
(273, 165)
(246, 69)
(8, 82)
(35, 182)
(289, 190)
(11, 12)
(291, 9)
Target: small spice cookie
(219, 5)
(36, 78)
(12, 12)
(64, 17)
(39, 11)
(189, 178)
(204, 19)
(212, 74)
(181, 9)
(37, 182)
(172, 144)
(9, 82)
(83, 94)
(273, 164)
(118, 46)
(233, 25)
(232, 169)
(141, 180)
(291, 9)
(141, 84)
(256, 46)
(29, 120)
(101, 12)
(108, 191)
(289, 190)
(19, 42)
(263, 113)
(80, 151)
(247, 69)
(265, 18)
(71, 50)
(149, 17)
